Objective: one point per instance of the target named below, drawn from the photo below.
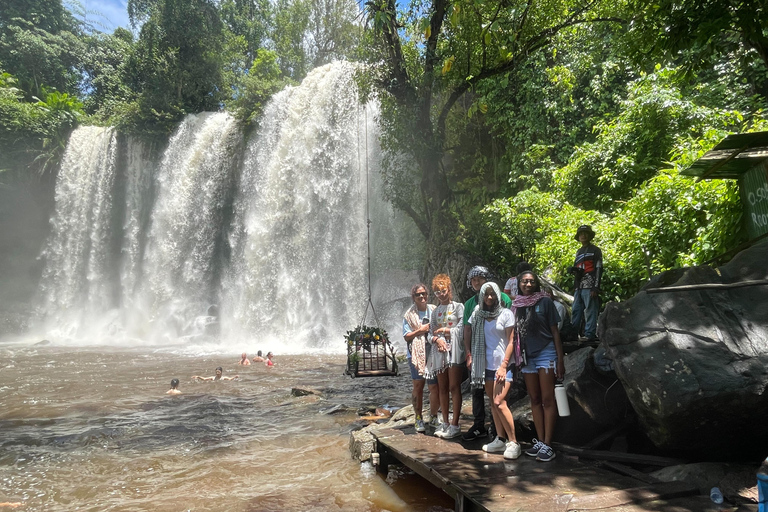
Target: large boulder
(694, 363)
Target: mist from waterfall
(225, 243)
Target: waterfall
(219, 241)
(77, 277)
(299, 238)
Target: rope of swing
(367, 212)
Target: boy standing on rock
(587, 270)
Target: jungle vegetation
(522, 119)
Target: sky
(107, 15)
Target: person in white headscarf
(488, 356)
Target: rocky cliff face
(694, 363)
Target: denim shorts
(415, 374)
(491, 375)
(546, 359)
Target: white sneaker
(512, 451)
(453, 431)
(435, 421)
(419, 425)
(441, 430)
(495, 446)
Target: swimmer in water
(174, 388)
(258, 358)
(269, 361)
(244, 360)
(218, 376)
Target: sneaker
(546, 454)
(435, 422)
(495, 446)
(473, 433)
(453, 431)
(441, 430)
(534, 450)
(419, 425)
(512, 451)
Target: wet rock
(362, 443)
(597, 401)
(338, 408)
(736, 481)
(305, 392)
(695, 363)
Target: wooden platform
(479, 481)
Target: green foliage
(257, 87)
(175, 67)
(536, 227)
(291, 22)
(551, 104)
(33, 134)
(105, 76)
(39, 47)
(631, 147)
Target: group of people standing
(492, 337)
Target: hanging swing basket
(369, 352)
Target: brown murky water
(92, 429)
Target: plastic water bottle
(561, 397)
(716, 496)
(762, 487)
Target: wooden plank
(626, 458)
(479, 481)
(664, 491)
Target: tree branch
(413, 214)
(536, 42)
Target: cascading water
(299, 247)
(76, 280)
(182, 259)
(268, 236)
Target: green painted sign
(754, 195)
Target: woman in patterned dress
(447, 359)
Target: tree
(39, 45)
(431, 58)
(176, 66)
(699, 28)
(104, 83)
(257, 87)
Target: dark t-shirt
(539, 333)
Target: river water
(92, 429)
(162, 259)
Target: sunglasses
(421, 294)
(527, 281)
